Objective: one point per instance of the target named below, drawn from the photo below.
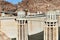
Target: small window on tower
(48, 25)
(51, 22)
(51, 25)
(26, 21)
(54, 22)
(45, 22)
(48, 22)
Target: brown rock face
(6, 6)
(22, 5)
(1, 0)
(40, 5)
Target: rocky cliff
(6, 6)
(39, 5)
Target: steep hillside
(59, 33)
(6, 6)
(40, 5)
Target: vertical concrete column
(57, 34)
(54, 32)
(26, 29)
(22, 30)
(18, 30)
(49, 33)
(44, 33)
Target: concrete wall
(59, 21)
(9, 27)
(35, 27)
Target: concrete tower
(22, 30)
(51, 26)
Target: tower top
(51, 15)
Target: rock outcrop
(6, 6)
(39, 5)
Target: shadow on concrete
(38, 36)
